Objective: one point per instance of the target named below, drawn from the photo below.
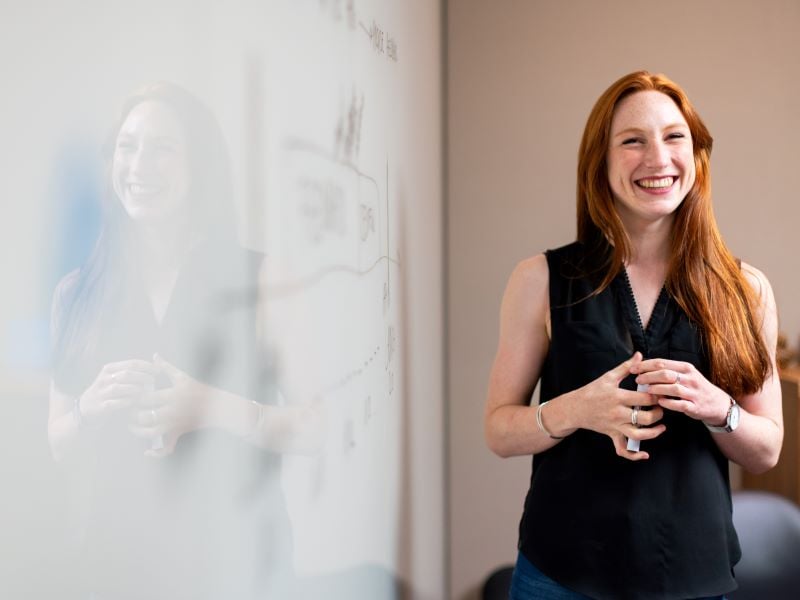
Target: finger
(139, 378)
(142, 366)
(155, 399)
(148, 418)
(643, 433)
(660, 364)
(115, 404)
(622, 370)
(662, 376)
(170, 370)
(148, 431)
(122, 390)
(677, 405)
(621, 446)
(672, 390)
(629, 398)
(646, 418)
(168, 448)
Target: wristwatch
(731, 421)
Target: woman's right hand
(608, 409)
(117, 386)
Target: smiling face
(650, 158)
(150, 171)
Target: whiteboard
(332, 113)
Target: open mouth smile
(656, 183)
(144, 189)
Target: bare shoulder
(759, 282)
(768, 311)
(525, 302)
(530, 276)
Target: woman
(644, 331)
(156, 356)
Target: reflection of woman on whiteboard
(644, 331)
(156, 356)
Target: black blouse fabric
(600, 524)
(208, 521)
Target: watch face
(733, 418)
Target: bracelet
(542, 428)
(251, 436)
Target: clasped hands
(673, 385)
(161, 416)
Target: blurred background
(396, 159)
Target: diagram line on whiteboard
(298, 145)
(388, 233)
(286, 289)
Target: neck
(650, 243)
(162, 248)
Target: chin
(152, 211)
(145, 215)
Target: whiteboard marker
(633, 445)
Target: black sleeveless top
(208, 521)
(596, 522)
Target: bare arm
(62, 423)
(756, 443)
(115, 388)
(510, 425)
(191, 405)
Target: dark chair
(497, 584)
(769, 533)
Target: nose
(142, 160)
(656, 154)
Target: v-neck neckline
(638, 329)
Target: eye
(675, 136)
(631, 141)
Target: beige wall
(522, 77)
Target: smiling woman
(150, 170)
(656, 353)
(650, 161)
(162, 405)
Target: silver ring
(635, 416)
(153, 415)
(678, 378)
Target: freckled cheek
(690, 174)
(117, 177)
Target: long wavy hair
(96, 289)
(703, 276)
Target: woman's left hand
(683, 388)
(166, 414)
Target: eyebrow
(630, 130)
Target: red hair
(703, 277)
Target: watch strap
(727, 427)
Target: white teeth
(138, 188)
(664, 182)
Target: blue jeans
(529, 583)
